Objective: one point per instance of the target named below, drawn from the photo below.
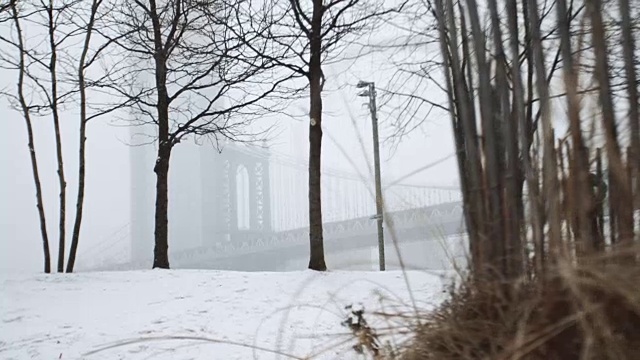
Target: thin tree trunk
(583, 194)
(549, 162)
(600, 243)
(316, 242)
(563, 189)
(529, 128)
(75, 237)
(628, 45)
(161, 168)
(613, 211)
(56, 126)
(509, 253)
(466, 124)
(491, 144)
(522, 171)
(31, 144)
(530, 165)
(161, 231)
(455, 113)
(619, 185)
(471, 150)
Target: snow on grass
(129, 315)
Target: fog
(347, 147)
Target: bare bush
(548, 278)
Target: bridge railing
(344, 196)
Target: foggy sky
(107, 201)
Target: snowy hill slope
(299, 313)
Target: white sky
(107, 203)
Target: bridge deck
(411, 225)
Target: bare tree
(206, 80)
(86, 59)
(55, 73)
(629, 46)
(414, 76)
(55, 114)
(40, 68)
(491, 168)
(310, 35)
(620, 185)
(26, 112)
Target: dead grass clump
(586, 311)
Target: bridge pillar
(142, 195)
(216, 197)
(222, 194)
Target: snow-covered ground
(130, 315)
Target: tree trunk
(519, 137)
(456, 112)
(582, 189)
(32, 149)
(506, 132)
(316, 258)
(75, 237)
(619, 185)
(56, 126)
(161, 233)
(491, 143)
(461, 97)
(161, 168)
(39, 201)
(628, 45)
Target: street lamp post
(370, 92)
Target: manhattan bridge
(245, 208)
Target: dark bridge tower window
(243, 199)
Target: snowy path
(69, 316)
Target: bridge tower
(214, 197)
(236, 193)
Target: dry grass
(578, 298)
(586, 311)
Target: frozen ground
(129, 315)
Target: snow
(131, 315)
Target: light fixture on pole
(370, 92)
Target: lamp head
(362, 84)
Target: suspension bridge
(246, 209)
